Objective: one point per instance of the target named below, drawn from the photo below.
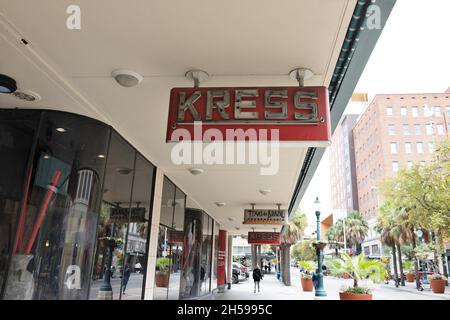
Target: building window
(440, 128)
(415, 112)
(389, 111)
(395, 166)
(419, 146)
(375, 250)
(408, 147)
(422, 163)
(391, 129)
(431, 147)
(393, 147)
(406, 130)
(447, 110)
(417, 129)
(429, 129)
(437, 111)
(367, 251)
(403, 111)
(409, 164)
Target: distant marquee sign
(265, 216)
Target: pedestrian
(270, 267)
(314, 279)
(257, 277)
(126, 277)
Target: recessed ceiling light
(126, 78)
(265, 191)
(7, 84)
(26, 95)
(230, 219)
(101, 156)
(46, 156)
(237, 228)
(61, 129)
(195, 171)
(220, 204)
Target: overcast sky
(411, 56)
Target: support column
(254, 256)
(229, 260)
(221, 261)
(154, 231)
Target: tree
(303, 251)
(356, 229)
(292, 233)
(424, 193)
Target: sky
(411, 56)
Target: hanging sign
(126, 215)
(260, 114)
(264, 238)
(265, 216)
(174, 236)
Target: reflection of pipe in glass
(43, 211)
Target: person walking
(126, 277)
(257, 276)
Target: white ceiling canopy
(239, 43)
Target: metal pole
(320, 291)
(345, 239)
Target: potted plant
(162, 272)
(361, 268)
(410, 273)
(437, 282)
(306, 276)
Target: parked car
(242, 268)
(238, 274)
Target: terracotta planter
(438, 286)
(410, 277)
(346, 275)
(162, 280)
(354, 296)
(307, 284)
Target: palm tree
(356, 229)
(292, 233)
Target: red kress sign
(264, 238)
(292, 113)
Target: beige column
(154, 230)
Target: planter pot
(410, 277)
(354, 296)
(438, 286)
(346, 275)
(307, 284)
(162, 280)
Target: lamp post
(106, 292)
(419, 233)
(320, 291)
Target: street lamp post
(419, 233)
(105, 292)
(320, 291)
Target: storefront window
(170, 243)
(17, 132)
(55, 239)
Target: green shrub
(436, 276)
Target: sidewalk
(273, 289)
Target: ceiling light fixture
(60, 129)
(126, 78)
(101, 156)
(195, 171)
(265, 191)
(124, 170)
(7, 84)
(230, 219)
(220, 204)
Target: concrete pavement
(272, 289)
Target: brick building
(395, 131)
